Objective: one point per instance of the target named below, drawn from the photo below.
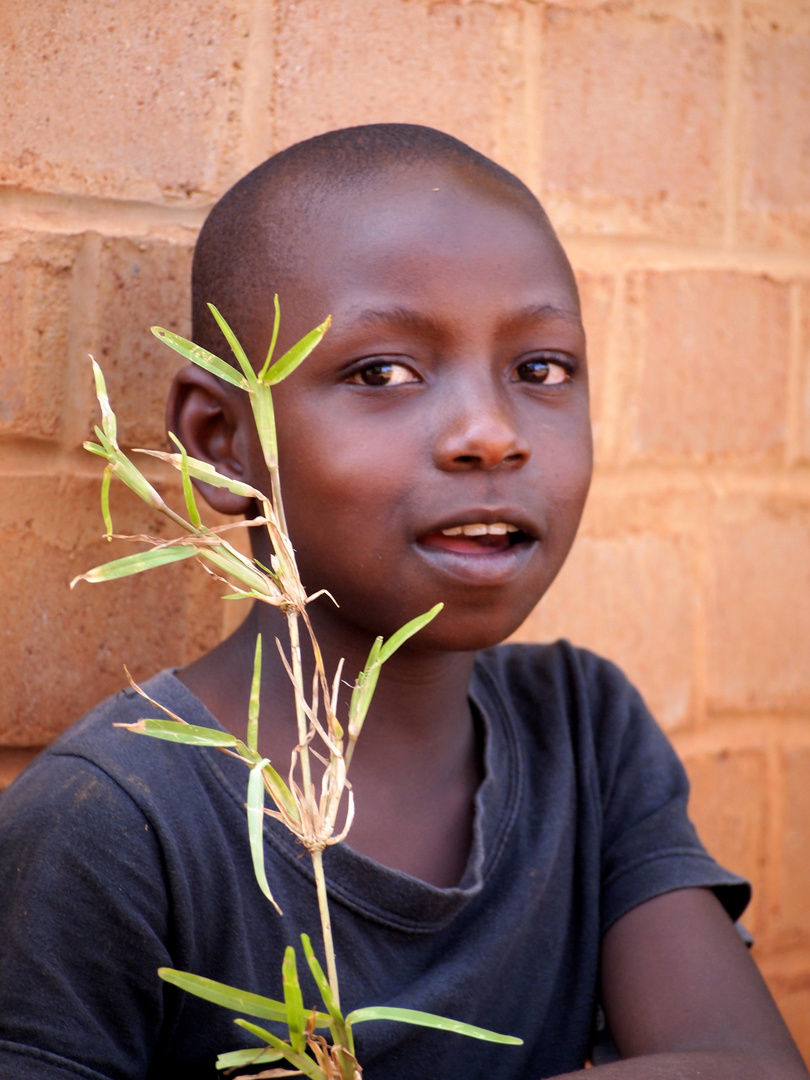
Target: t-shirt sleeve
(80, 872)
(649, 845)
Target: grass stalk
(326, 923)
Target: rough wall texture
(670, 141)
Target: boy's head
(436, 445)
(254, 240)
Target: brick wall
(669, 140)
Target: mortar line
(744, 729)
(260, 58)
(82, 213)
(774, 830)
(703, 590)
(793, 408)
(534, 95)
(597, 252)
(731, 115)
(609, 406)
(83, 332)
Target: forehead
(422, 232)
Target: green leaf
(255, 688)
(229, 563)
(273, 339)
(261, 402)
(287, 364)
(237, 1058)
(255, 816)
(94, 448)
(322, 983)
(301, 1061)
(236, 348)
(407, 631)
(136, 564)
(188, 490)
(191, 734)
(363, 690)
(281, 793)
(296, 1018)
(205, 471)
(130, 475)
(429, 1020)
(202, 357)
(228, 996)
(108, 421)
(105, 501)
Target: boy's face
(449, 398)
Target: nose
(480, 431)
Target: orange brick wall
(670, 142)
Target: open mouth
(477, 538)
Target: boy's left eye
(383, 373)
(543, 371)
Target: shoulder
(563, 683)
(98, 780)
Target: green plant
(310, 814)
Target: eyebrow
(404, 317)
(410, 319)
(548, 311)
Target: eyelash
(563, 364)
(368, 367)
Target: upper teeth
(499, 528)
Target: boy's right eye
(383, 373)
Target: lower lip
(476, 564)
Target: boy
(521, 848)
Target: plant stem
(278, 505)
(326, 924)
(300, 714)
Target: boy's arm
(684, 999)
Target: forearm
(699, 1065)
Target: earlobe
(207, 419)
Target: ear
(214, 425)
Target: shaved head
(248, 245)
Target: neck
(416, 760)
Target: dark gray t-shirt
(121, 854)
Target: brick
(729, 807)
(142, 283)
(629, 597)
(596, 293)
(127, 100)
(758, 620)
(714, 356)
(62, 650)
(633, 120)
(792, 995)
(443, 65)
(775, 124)
(12, 763)
(36, 285)
(791, 918)
(804, 374)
